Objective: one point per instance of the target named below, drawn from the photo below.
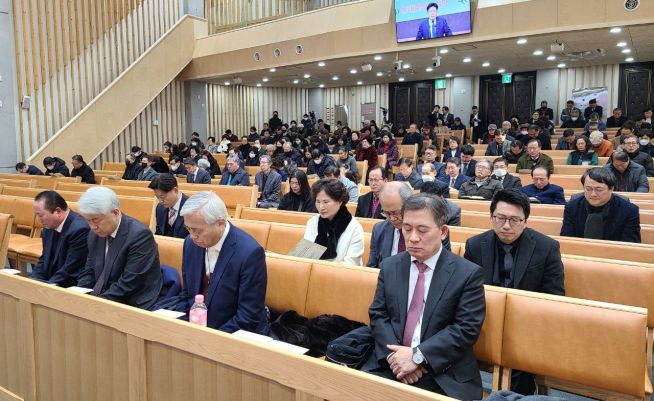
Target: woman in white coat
(334, 227)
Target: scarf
(595, 221)
(329, 231)
(579, 157)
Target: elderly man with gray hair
(123, 259)
(269, 182)
(226, 265)
(234, 174)
(484, 186)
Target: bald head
(391, 198)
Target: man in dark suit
(123, 260)
(269, 182)
(453, 176)
(408, 173)
(617, 120)
(81, 169)
(434, 26)
(431, 154)
(413, 136)
(428, 309)
(235, 175)
(598, 213)
(501, 172)
(515, 256)
(545, 111)
(448, 119)
(64, 241)
(176, 166)
(226, 265)
(475, 124)
(368, 205)
(171, 201)
(592, 108)
(467, 163)
(196, 175)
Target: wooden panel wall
(239, 107)
(352, 97)
(225, 15)
(588, 77)
(69, 51)
(169, 109)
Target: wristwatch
(418, 358)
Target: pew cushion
(288, 281)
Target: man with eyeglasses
(599, 213)
(632, 147)
(368, 205)
(484, 186)
(513, 255)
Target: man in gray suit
(269, 182)
(123, 260)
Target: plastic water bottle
(198, 313)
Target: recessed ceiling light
(561, 65)
(501, 71)
(629, 59)
(622, 44)
(379, 74)
(448, 75)
(521, 41)
(443, 51)
(258, 85)
(406, 65)
(335, 78)
(551, 57)
(296, 81)
(264, 79)
(321, 64)
(321, 85)
(626, 51)
(616, 30)
(273, 69)
(429, 69)
(359, 82)
(537, 53)
(486, 64)
(307, 76)
(401, 79)
(467, 60)
(227, 83)
(353, 71)
(377, 57)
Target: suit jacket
(364, 205)
(202, 177)
(62, 263)
(448, 119)
(460, 179)
(451, 323)
(623, 223)
(237, 290)
(269, 193)
(538, 265)
(179, 230)
(240, 177)
(510, 181)
(415, 179)
(470, 170)
(588, 111)
(441, 29)
(550, 194)
(134, 275)
(448, 153)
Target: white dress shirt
(113, 235)
(60, 227)
(176, 208)
(413, 279)
(396, 241)
(212, 253)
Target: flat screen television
(419, 20)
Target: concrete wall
(195, 94)
(8, 102)
(316, 103)
(547, 88)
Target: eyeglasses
(501, 220)
(396, 214)
(375, 179)
(597, 190)
(478, 167)
(630, 143)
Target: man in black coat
(501, 172)
(413, 136)
(592, 108)
(81, 169)
(171, 200)
(55, 165)
(515, 256)
(22, 168)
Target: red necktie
(416, 306)
(401, 245)
(375, 204)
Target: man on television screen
(434, 26)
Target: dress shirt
(413, 278)
(176, 208)
(60, 227)
(113, 236)
(212, 253)
(396, 241)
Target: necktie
(375, 204)
(416, 306)
(431, 29)
(508, 265)
(172, 214)
(99, 285)
(401, 245)
(229, 180)
(452, 181)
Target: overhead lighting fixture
(521, 41)
(551, 57)
(307, 76)
(296, 81)
(379, 74)
(467, 60)
(626, 51)
(443, 51)
(264, 79)
(537, 53)
(273, 69)
(622, 44)
(401, 79)
(321, 64)
(406, 66)
(359, 82)
(227, 83)
(258, 85)
(448, 75)
(353, 71)
(616, 30)
(486, 64)
(561, 65)
(429, 69)
(321, 85)
(335, 78)
(501, 71)
(377, 57)
(629, 59)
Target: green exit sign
(441, 84)
(506, 78)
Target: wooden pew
(6, 224)
(42, 181)
(18, 183)
(114, 166)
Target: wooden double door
(410, 102)
(499, 102)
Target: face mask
(144, 165)
(643, 142)
(50, 167)
(298, 142)
(194, 144)
(252, 155)
(174, 168)
(428, 178)
(574, 118)
(127, 162)
(317, 161)
(500, 172)
(524, 132)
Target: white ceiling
(506, 54)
